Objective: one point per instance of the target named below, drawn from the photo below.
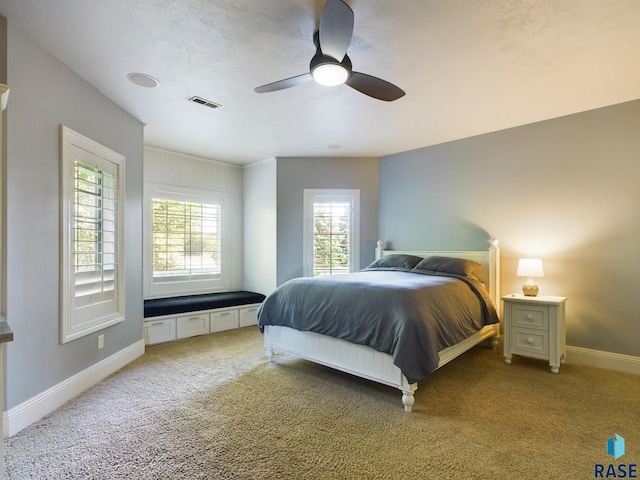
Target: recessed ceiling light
(143, 80)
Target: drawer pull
(529, 340)
(529, 317)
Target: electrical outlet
(100, 341)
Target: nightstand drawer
(530, 342)
(531, 316)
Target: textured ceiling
(468, 67)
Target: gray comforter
(408, 314)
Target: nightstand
(535, 327)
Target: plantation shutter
(186, 239)
(331, 235)
(331, 231)
(95, 234)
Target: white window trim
(310, 194)
(73, 321)
(165, 289)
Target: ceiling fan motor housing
(330, 71)
(322, 63)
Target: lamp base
(530, 290)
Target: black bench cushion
(192, 303)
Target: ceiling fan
(331, 65)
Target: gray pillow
(455, 266)
(397, 261)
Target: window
(185, 234)
(92, 287)
(331, 231)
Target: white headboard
(489, 259)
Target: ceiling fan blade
(336, 29)
(374, 87)
(286, 83)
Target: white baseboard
(600, 359)
(37, 407)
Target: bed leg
(270, 353)
(407, 397)
(495, 342)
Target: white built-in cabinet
(168, 328)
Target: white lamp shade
(530, 267)
(330, 74)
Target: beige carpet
(212, 407)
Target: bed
(394, 322)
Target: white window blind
(331, 231)
(95, 234)
(331, 236)
(186, 240)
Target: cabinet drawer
(531, 316)
(530, 342)
(158, 331)
(225, 320)
(248, 317)
(192, 325)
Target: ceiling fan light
(330, 74)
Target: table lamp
(530, 267)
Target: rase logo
(615, 448)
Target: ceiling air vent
(206, 103)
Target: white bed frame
(368, 363)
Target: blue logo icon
(615, 446)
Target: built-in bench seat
(167, 319)
(156, 307)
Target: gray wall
(45, 94)
(296, 174)
(564, 190)
(3, 49)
